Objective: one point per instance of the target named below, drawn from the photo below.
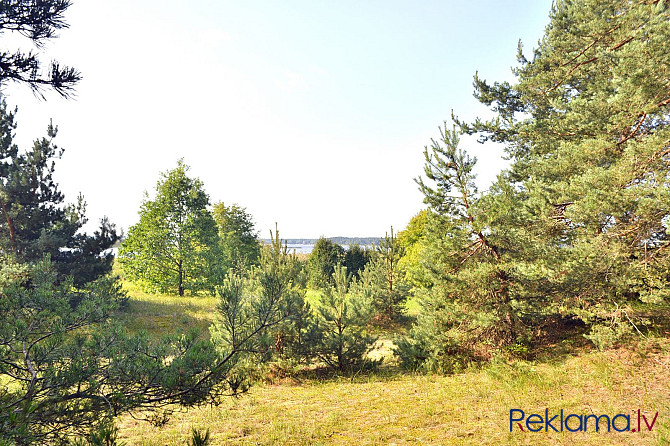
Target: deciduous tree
(239, 241)
(174, 247)
(412, 240)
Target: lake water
(307, 249)
(300, 249)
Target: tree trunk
(340, 347)
(10, 225)
(508, 329)
(181, 279)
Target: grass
(389, 407)
(313, 296)
(468, 408)
(161, 314)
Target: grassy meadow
(161, 314)
(393, 407)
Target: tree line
(361, 241)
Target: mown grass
(391, 407)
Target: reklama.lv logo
(579, 422)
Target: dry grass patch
(464, 409)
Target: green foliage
(587, 128)
(355, 259)
(322, 260)
(66, 368)
(296, 337)
(412, 240)
(33, 220)
(342, 341)
(327, 254)
(198, 438)
(263, 313)
(604, 336)
(469, 307)
(240, 247)
(69, 367)
(105, 435)
(382, 280)
(175, 245)
(578, 225)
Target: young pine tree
(342, 320)
(72, 369)
(471, 306)
(263, 315)
(383, 279)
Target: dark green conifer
(34, 221)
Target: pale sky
(311, 114)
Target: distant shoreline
(363, 241)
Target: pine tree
(384, 279)
(471, 305)
(38, 21)
(578, 226)
(262, 312)
(586, 126)
(343, 316)
(71, 369)
(34, 221)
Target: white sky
(310, 114)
